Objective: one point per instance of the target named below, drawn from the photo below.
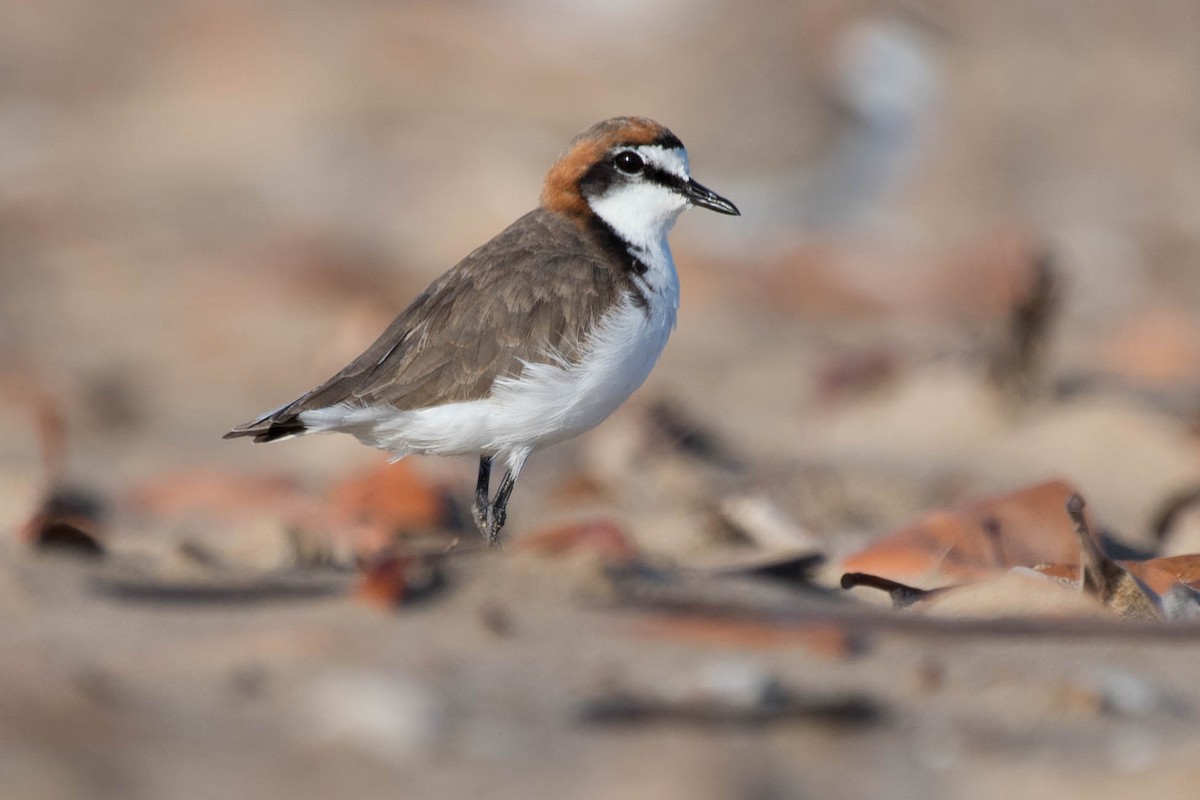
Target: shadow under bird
(536, 336)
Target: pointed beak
(707, 198)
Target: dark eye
(629, 163)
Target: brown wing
(531, 291)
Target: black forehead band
(668, 140)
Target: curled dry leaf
(1160, 574)
(1172, 584)
(1023, 528)
(1133, 590)
(1176, 569)
(1136, 590)
(70, 520)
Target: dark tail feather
(269, 429)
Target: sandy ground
(205, 209)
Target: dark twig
(902, 595)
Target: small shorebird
(534, 337)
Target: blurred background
(208, 209)
(966, 263)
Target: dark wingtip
(281, 429)
(268, 431)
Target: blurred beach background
(967, 263)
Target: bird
(534, 337)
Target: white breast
(548, 402)
(553, 402)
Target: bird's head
(630, 172)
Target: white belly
(561, 401)
(546, 404)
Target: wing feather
(527, 296)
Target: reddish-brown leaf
(1162, 573)
(393, 497)
(1024, 528)
(69, 520)
(383, 583)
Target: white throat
(642, 214)
(641, 211)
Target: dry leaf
(384, 583)
(70, 520)
(391, 498)
(1023, 528)
(1137, 590)
(388, 580)
(1184, 569)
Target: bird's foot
(496, 519)
(481, 514)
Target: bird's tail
(271, 427)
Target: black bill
(707, 198)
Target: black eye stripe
(662, 177)
(603, 174)
(654, 173)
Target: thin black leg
(499, 511)
(480, 508)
